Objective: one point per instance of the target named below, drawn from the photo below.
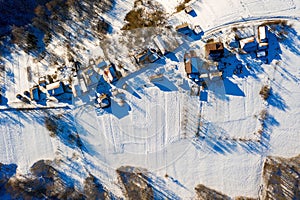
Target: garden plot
(231, 108)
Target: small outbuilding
(197, 30)
(262, 34)
(55, 88)
(188, 9)
(248, 44)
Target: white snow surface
(155, 128)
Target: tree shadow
(277, 101)
(213, 139)
(160, 188)
(289, 40)
(241, 66)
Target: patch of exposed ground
(135, 183)
(47, 182)
(281, 178)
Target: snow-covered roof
(248, 43)
(55, 88)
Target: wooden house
(214, 50)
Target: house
(262, 34)
(197, 29)
(191, 64)
(183, 28)
(248, 44)
(214, 50)
(215, 74)
(110, 74)
(147, 56)
(55, 88)
(160, 44)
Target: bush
(265, 92)
(51, 125)
(263, 115)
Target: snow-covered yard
(156, 123)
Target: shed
(214, 50)
(83, 86)
(248, 44)
(42, 81)
(55, 89)
(197, 29)
(188, 9)
(76, 87)
(262, 34)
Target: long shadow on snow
(159, 187)
(290, 40)
(218, 142)
(277, 101)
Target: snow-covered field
(156, 127)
